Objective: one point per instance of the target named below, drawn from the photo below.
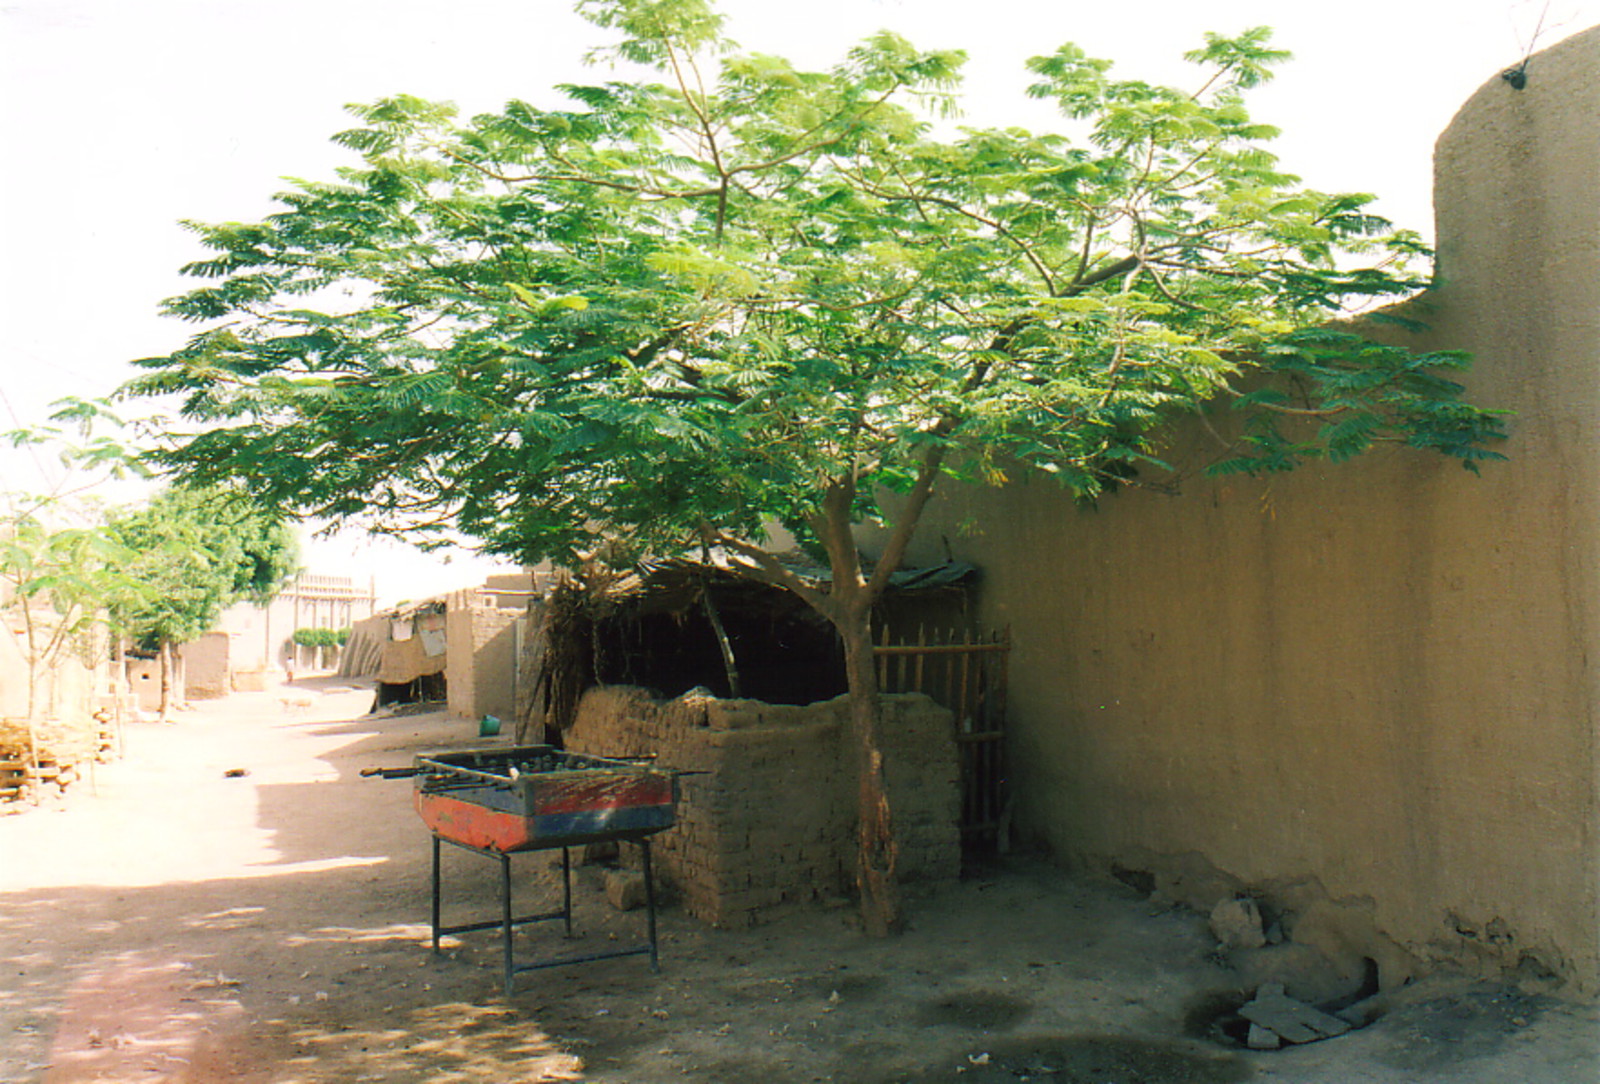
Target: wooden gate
(965, 672)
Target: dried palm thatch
(568, 647)
(595, 617)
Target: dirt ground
(173, 922)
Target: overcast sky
(121, 117)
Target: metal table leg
(435, 895)
(649, 901)
(508, 921)
(505, 917)
(566, 887)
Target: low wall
(769, 824)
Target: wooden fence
(966, 673)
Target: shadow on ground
(302, 956)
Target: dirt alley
(176, 923)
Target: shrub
(320, 637)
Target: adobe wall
(262, 634)
(69, 691)
(1367, 690)
(481, 667)
(362, 655)
(207, 673)
(768, 824)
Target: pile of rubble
(1275, 1018)
(1272, 1019)
(53, 753)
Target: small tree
(194, 552)
(733, 292)
(58, 565)
(57, 579)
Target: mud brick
(777, 808)
(722, 715)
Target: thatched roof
(677, 585)
(598, 623)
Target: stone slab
(1296, 1021)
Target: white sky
(120, 117)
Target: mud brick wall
(769, 825)
(480, 671)
(206, 671)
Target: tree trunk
(877, 853)
(847, 604)
(164, 652)
(33, 700)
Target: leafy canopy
(731, 291)
(194, 552)
(58, 563)
(320, 637)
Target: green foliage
(319, 637)
(751, 292)
(58, 563)
(195, 552)
(85, 438)
(54, 580)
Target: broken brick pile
(768, 822)
(1276, 1018)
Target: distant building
(250, 641)
(461, 647)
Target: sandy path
(181, 925)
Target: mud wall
(481, 671)
(68, 691)
(1376, 679)
(769, 823)
(362, 655)
(206, 670)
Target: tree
(56, 571)
(193, 553)
(729, 292)
(58, 564)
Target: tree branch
(961, 209)
(765, 567)
(905, 525)
(832, 524)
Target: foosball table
(502, 802)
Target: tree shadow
(314, 962)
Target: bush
(320, 637)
